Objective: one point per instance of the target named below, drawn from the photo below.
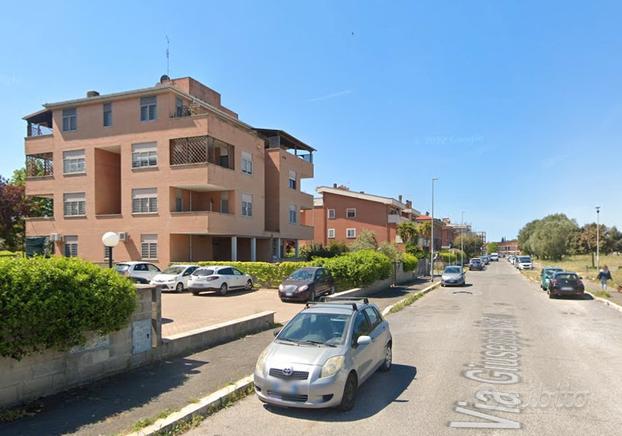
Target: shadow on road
(572, 297)
(67, 412)
(380, 390)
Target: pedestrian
(604, 276)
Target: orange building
(340, 215)
(169, 168)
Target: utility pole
(462, 239)
(434, 179)
(598, 238)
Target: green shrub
(409, 261)
(265, 274)
(318, 250)
(52, 303)
(357, 268)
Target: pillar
(234, 248)
(253, 249)
(297, 248)
(278, 248)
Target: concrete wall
(137, 344)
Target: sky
(516, 106)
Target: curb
(606, 302)
(206, 406)
(424, 291)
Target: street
(495, 356)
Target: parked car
(139, 272)
(323, 355)
(566, 283)
(476, 264)
(218, 278)
(453, 276)
(546, 274)
(494, 257)
(524, 262)
(485, 259)
(306, 284)
(174, 278)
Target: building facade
(341, 215)
(170, 169)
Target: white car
(174, 278)
(494, 257)
(218, 278)
(139, 272)
(524, 262)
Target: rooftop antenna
(167, 56)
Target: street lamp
(434, 179)
(110, 240)
(598, 237)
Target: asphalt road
(495, 357)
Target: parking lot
(184, 312)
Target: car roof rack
(339, 301)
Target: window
(179, 107)
(373, 316)
(225, 272)
(350, 233)
(71, 246)
(75, 204)
(144, 200)
(70, 119)
(107, 114)
(247, 163)
(331, 214)
(224, 202)
(179, 201)
(145, 155)
(148, 247)
(73, 162)
(350, 212)
(148, 108)
(361, 327)
(292, 179)
(293, 214)
(247, 205)
(331, 233)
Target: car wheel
(179, 288)
(249, 285)
(195, 292)
(551, 295)
(223, 289)
(388, 358)
(312, 295)
(331, 291)
(349, 394)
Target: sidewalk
(594, 288)
(114, 405)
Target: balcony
(201, 150)
(204, 222)
(39, 165)
(396, 219)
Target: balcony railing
(38, 130)
(39, 165)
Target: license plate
(288, 294)
(567, 289)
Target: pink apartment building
(170, 169)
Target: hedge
(409, 261)
(352, 269)
(52, 303)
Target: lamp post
(110, 240)
(598, 237)
(434, 179)
(462, 239)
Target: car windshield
(551, 272)
(452, 270)
(475, 261)
(566, 276)
(524, 259)
(316, 328)
(121, 267)
(302, 274)
(203, 272)
(174, 270)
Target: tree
(365, 241)
(408, 231)
(548, 238)
(472, 244)
(13, 208)
(525, 234)
(492, 247)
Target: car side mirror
(580, 277)
(276, 332)
(363, 340)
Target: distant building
(508, 247)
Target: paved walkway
(114, 405)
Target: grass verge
(146, 422)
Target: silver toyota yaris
(322, 355)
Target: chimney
(335, 185)
(409, 204)
(399, 197)
(91, 94)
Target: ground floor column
(234, 248)
(278, 248)
(297, 248)
(253, 249)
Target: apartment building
(179, 176)
(340, 215)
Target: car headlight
(303, 288)
(281, 287)
(261, 361)
(332, 366)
